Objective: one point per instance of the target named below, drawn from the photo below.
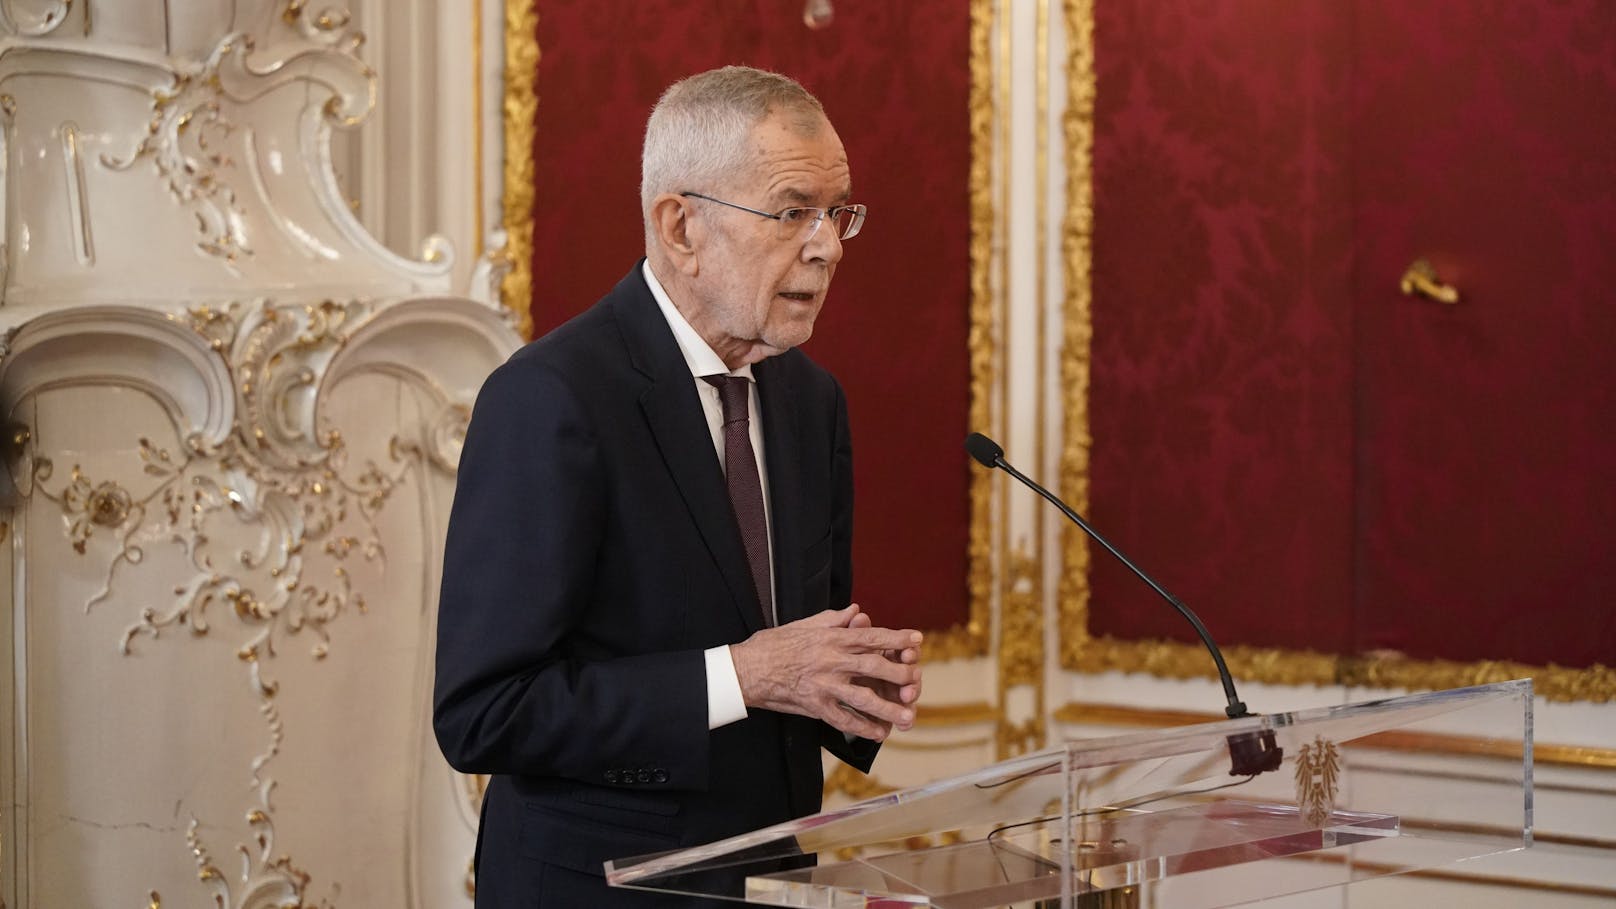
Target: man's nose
(824, 244)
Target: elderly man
(645, 632)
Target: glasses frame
(853, 226)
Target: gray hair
(697, 134)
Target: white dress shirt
(724, 702)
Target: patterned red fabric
(1487, 443)
(894, 329)
(1305, 456)
(1221, 406)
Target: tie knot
(732, 394)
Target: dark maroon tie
(745, 489)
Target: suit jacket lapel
(674, 414)
(781, 457)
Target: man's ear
(674, 231)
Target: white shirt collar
(698, 354)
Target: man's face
(757, 292)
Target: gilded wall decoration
(521, 112)
(856, 786)
(265, 881)
(986, 312)
(1021, 644)
(1171, 659)
(272, 517)
(278, 477)
(1015, 739)
(1077, 229)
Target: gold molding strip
(1084, 652)
(902, 743)
(971, 640)
(956, 714)
(1079, 712)
(1173, 659)
(854, 785)
(1118, 715)
(477, 215)
(1077, 232)
(1396, 740)
(521, 109)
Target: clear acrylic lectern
(1362, 790)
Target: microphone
(1251, 752)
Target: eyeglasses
(802, 223)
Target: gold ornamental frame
(1080, 650)
(520, 109)
(519, 113)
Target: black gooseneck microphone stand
(1251, 753)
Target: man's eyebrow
(794, 196)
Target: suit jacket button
(660, 776)
(645, 776)
(611, 776)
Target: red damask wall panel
(1487, 437)
(894, 328)
(1221, 403)
(1306, 456)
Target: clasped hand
(837, 667)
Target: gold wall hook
(1420, 278)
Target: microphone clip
(1251, 753)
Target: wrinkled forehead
(798, 161)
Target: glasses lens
(803, 223)
(798, 222)
(849, 220)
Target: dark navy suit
(592, 557)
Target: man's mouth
(802, 296)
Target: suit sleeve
(527, 524)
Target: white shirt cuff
(724, 702)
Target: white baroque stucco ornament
(189, 142)
(250, 518)
(215, 163)
(35, 19)
(290, 484)
(232, 420)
